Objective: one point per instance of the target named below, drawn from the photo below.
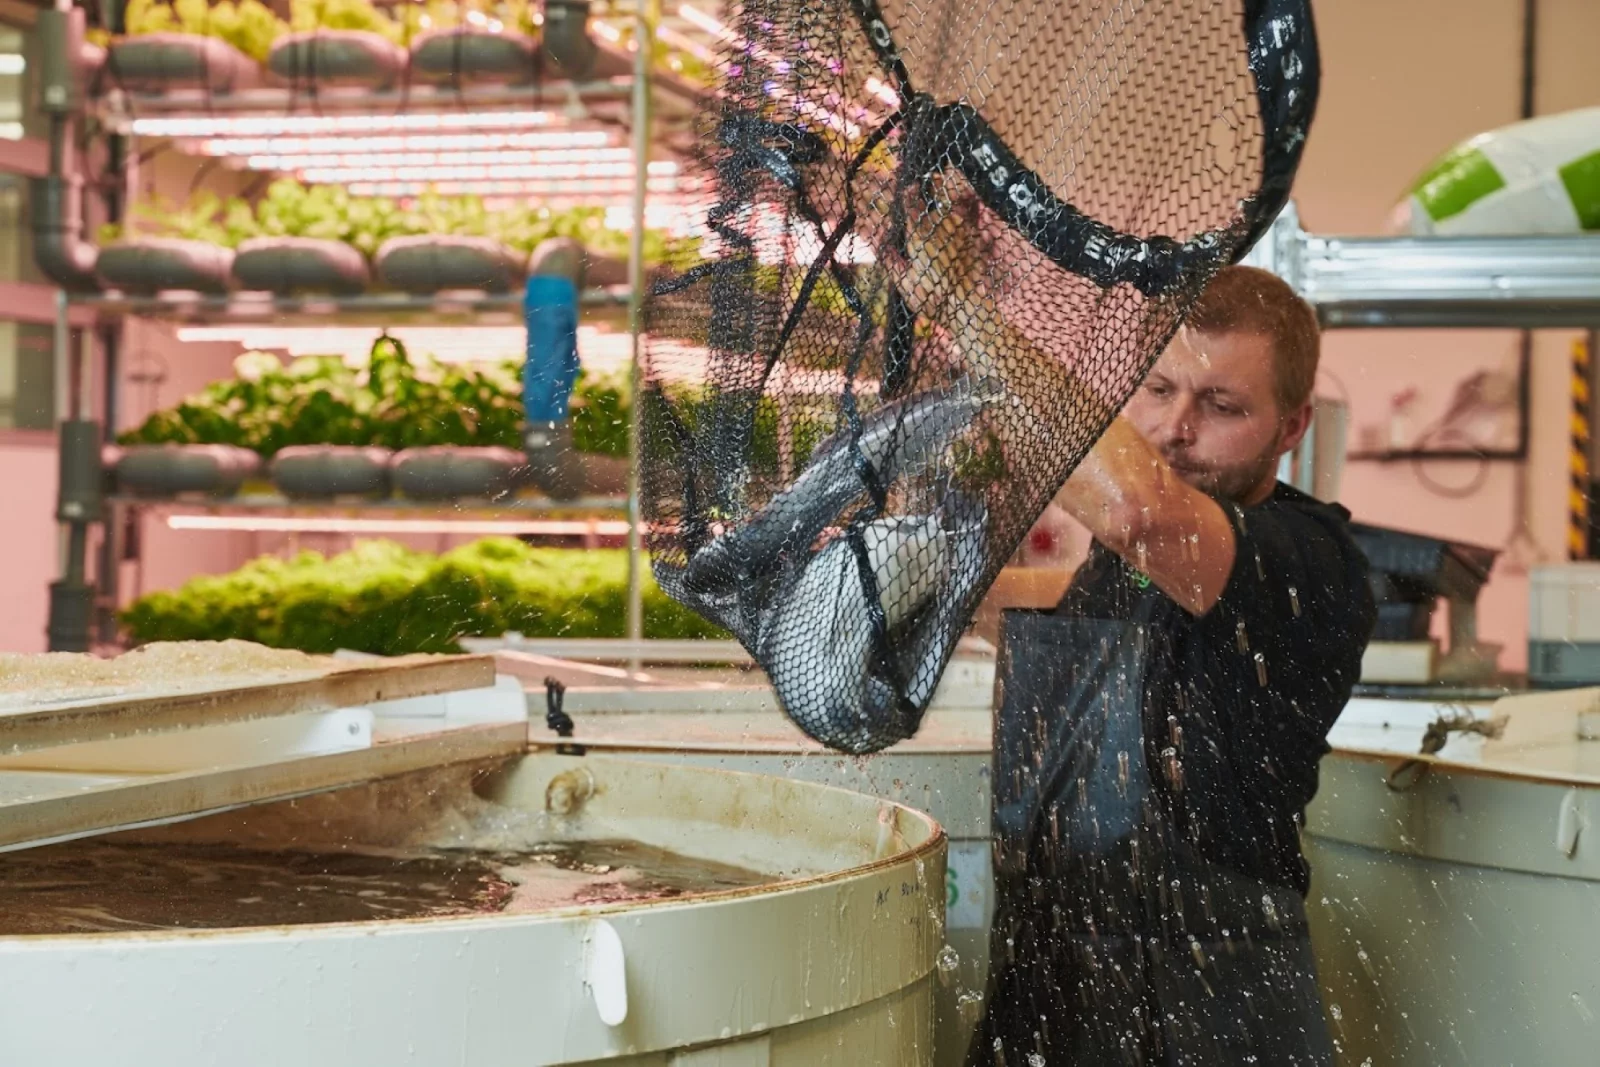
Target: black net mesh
(949, 240)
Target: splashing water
(947, 961)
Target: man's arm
(1137, 506)
(1122, 491)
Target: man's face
(1208, 406)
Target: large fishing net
(947, 241)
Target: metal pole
(61, 386)
(648, 14)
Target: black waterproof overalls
(1115, 941)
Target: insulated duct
(56, 205)
(56, 200)
(565, 40)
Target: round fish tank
(542, 909)
(1454, 894)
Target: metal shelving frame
(633, 99)
(1508, 283)
(1438, 282)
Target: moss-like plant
(383, 598)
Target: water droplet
(1336, 1012)
(1583, 1009)
(969, 1006)
(1244, 639)
(1294, 601)
(1122, 773)
(1261, 669)
(947, 961)
(1035, 1060)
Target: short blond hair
(1251, 300)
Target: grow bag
(570, 49)
(156, 62)
(561, 257)
(169, 470)
(428, 264)
(321, 472)
(606, 270)
(446, 473)
(1538, 176)
(603, 475)
(467, 54)
(300, 264)
(153, 264)
(336, 58)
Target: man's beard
(1235, 483)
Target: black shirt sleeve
(1286, 637)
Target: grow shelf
(125, 111)
(384, 309)
(467, 509)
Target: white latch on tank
(605, 971)
(1569, 823)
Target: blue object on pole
(550, 307)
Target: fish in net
(945, 243)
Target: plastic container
(322, 472)
(606, 271)
(446, 473)
(300, 264)
(1564, 624)
(1539, 176)
(1452, 904)
(338, 59)
(173, 470)
(469, 55)
(829, 964)
(157, 62)
(156, 264)
(431, 264)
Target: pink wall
(170, 557)
(27, 538)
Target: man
(1159, 733)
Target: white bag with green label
(1540, 176)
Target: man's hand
(1137, 506)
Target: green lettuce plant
(249, 25)
(392, 403)
(382, 598)
(290, 208)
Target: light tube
(587, 191)
(328, 524)
(485, 172)
(422, 142)
(561, 160)
(274, 125)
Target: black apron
(1114, 941)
